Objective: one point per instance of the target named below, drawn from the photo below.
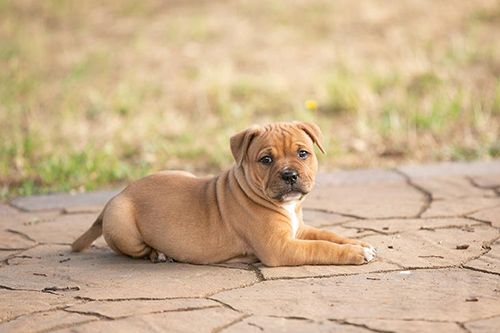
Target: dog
(248, 213)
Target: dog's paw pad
(369, 254)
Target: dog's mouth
(290, 193)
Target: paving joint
(234, 322)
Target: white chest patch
(290, 207)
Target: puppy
(248, 213)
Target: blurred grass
(94, 94)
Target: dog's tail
(84, 241)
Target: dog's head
(279, 159)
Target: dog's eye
(266, 160)
(303, 154)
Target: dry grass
(93, 93)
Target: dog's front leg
(310, 233)
(294, 252)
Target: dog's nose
(290, 177)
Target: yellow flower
(311, 104)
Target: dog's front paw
(358, 255)
(370, 253)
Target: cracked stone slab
(433, 249)
(130, 308)
(487, 181)
(451, 187)
(489, 262)
(316, 218)
(358, 176)
(63, 229)
(14, 303)
(403, 326)
(101, 274)
(460, 206)
(403, 225)
(13, 241)
(271, 324)
(491, 215)
(368, 201)
(63, 201)
(484, 325)
(447, 169)
(205, 320)
(44, 322)
(273, 273)
(424, 295)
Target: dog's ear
(241, 141)
(314, 133)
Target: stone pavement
(436, 228)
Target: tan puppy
(249, 212)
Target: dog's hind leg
(120, 229)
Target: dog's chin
(291, 195)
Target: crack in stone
(286, 278)
(347, 323)
(20, 289)
(392, 233)
(257, 271)
(326, 225)
(486, 245)
(427, 195)
(223, 304)
(369, 229)
(328, 211)
(5, 262)
(255, 325)
(229, 289)
(237, 320)
(488, 223)
(57, 308)
(479, 270)
(479, 319)
(403, 319)
(101, 316)
(89, 313)
(22, 235)
(364, 236)
(46, 290)
(291, 318)
(88, 299)
(462, 326)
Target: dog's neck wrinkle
(242, 182)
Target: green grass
(95, 94)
